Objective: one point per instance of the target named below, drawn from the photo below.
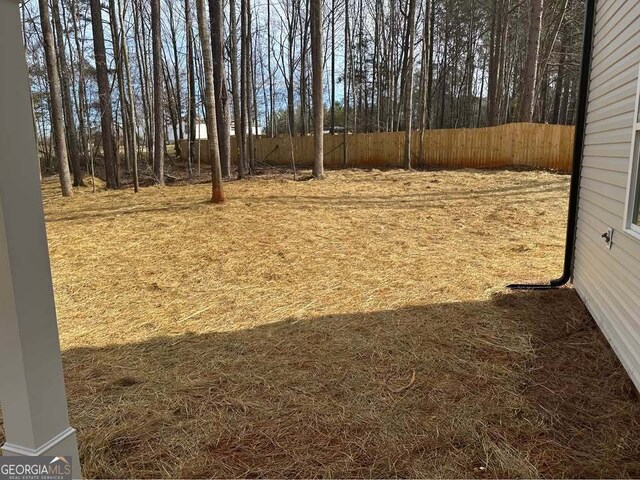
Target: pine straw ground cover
(354, 327)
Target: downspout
(581, 120)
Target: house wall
(608, 280)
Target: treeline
(116, 83)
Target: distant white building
(201, 131)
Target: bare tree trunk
(158, 110)
(481, 95)
(304, 35)
(265, 100)
(104, 91)
(33, 110)
(318, 104)
(217, 195)
(130, 103)
(408, 75)
(254, 89)
(529, 74)
(563, 117)
(248, 98)
(291, 33)
(191, 81)
(333, 67)
(140, 38)
(244, 82)
(172, 100)
(445, 71)
(360, 52)
(345, 101)
(236, 90)
(81, 99)
(425, 79)
(375, 80)
(560, 82)
(116, 36)
(57, 113)
(272, 110)
(432, 29)
(178, 86)
(494, 64)
(220, 82)
(72, 135)
(141, 54)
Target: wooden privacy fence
(514, 145)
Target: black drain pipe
(581, 120)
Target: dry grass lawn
(354, 327)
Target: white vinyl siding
(608, 280)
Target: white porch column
(32, 395)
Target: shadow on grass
(111, 212)
(521, 385)
(424, 200)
